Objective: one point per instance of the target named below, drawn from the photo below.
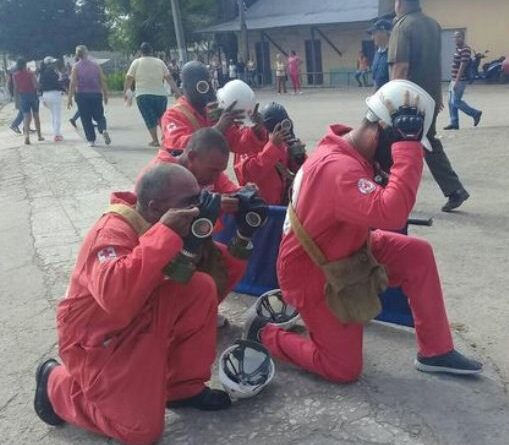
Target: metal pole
(179, 30)
(244, 49)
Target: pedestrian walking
(294, 63)
(52, 90)
(381, 32)
(89, 84)
(280, 74)
(241, 69)
(26, 86)
(414, 54)
(459, 81)
(362, 69)
(18, 120)
(251, 72)
(232, 70)
(148, 74)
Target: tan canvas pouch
(352, 284)
(212, 263)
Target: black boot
(207, 400)
(455, 200)
(42, 403)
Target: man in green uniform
(414, 54)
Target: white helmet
(271, 307)
(245, 369)
(395, 91)
(239, 91)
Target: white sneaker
(91, 143)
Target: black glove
(202, 226)
(297, 150)
(252, 212)
(408, 123)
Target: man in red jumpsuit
(272, 167)
(191, 113)
(206, 157)
(337, 201)
(132, 341)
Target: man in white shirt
(149, 73)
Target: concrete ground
(51, 194)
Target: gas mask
(274, 114)
(196, 84)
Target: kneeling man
(133, 341)
(329, 265)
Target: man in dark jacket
(414, 54)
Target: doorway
(314, 66)
(263, 63)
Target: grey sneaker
(451, 363)
(106, 136)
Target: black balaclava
(196, 84)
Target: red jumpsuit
(130, 339)
(337, 202)
(259, 166)
(177, 128)
(236, 268)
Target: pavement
(52, 193)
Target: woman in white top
(149, 73)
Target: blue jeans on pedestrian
(456, 103)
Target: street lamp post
(179, 30)
(244, 47)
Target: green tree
(136, 21)
(35, 28)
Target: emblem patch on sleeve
(366, 186)
(106, 254)
(170, 127)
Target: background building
(328, 34)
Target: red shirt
(259, 167)
(178, 128)
(24, 81)
(338, 202)
(115, 274)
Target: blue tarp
(261, 274)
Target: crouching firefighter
(273, 167)
(328, 237)
(206, 157)
(198, 109)
(131, 323)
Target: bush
(115, 81)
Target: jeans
(53, 100)
(456, 103)
(18, 120)
(90, 106)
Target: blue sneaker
(451, 363)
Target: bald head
(206, 155)
(164, 187)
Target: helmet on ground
(240, 92)
(245, 369)
(394, 91)
(273, 308)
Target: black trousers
(90, 107)
(439, 164)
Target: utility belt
(210, 260)
(353, 284)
